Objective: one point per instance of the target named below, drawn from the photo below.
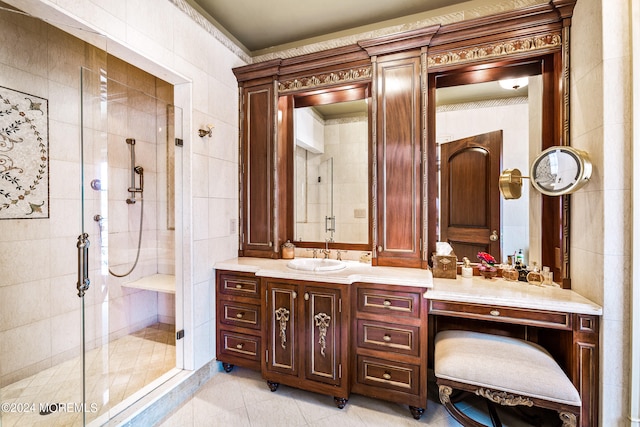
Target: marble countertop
(354, 272)
(502, 292)
(475, 290)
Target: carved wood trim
(504, 398)
(538, 44)
(394, 43)
(319, 80)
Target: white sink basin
(316, 264)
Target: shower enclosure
(88, 302)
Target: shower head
(139, 170)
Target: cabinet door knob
(386, 338)
(240, 315)
(495, 312)
(386, 376)
(238, 286)
(306, 296)
(239, 346)
(387, 303)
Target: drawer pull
(238, 286)
(239, 346)
(495, 312)
(386, 338)
(386, 376)
(240, 315)
(387, 303)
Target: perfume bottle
(547, 276)
(534, 276)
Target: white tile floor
(134, 361)
(242, 398)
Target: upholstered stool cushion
(502, 363)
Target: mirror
(332, 173)
(481, 129)
(331, 169)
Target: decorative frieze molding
(493, 50)
(326, 79)
(488, 103)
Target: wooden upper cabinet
(398, 151)
(257, 165)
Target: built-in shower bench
(165, 283)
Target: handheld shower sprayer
(135, 170)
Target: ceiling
(261, 25)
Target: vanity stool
(505, 370)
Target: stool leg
(568, 419)
(495, 420)
(445, 398)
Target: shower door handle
(83, 264)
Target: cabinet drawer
(389, 302)
(246, 285)
(521, 316)
(389, 337)
(240, 345)
(389, 375)
(238, 314)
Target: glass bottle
(534, 276)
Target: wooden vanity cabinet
(307, 337)
(239, 328)
(262, 185)
(390, 350)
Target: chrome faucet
(326, 250)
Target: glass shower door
(129, 155)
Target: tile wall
(601, 211)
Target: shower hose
(135, 263)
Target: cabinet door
(282, 345)
(257, 180)
(398, 151)
(322, 326)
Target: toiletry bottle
(522, 273)
(534, 276)
(547, 276)
(467, 270)
(520, 257)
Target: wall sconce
(203, 132)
